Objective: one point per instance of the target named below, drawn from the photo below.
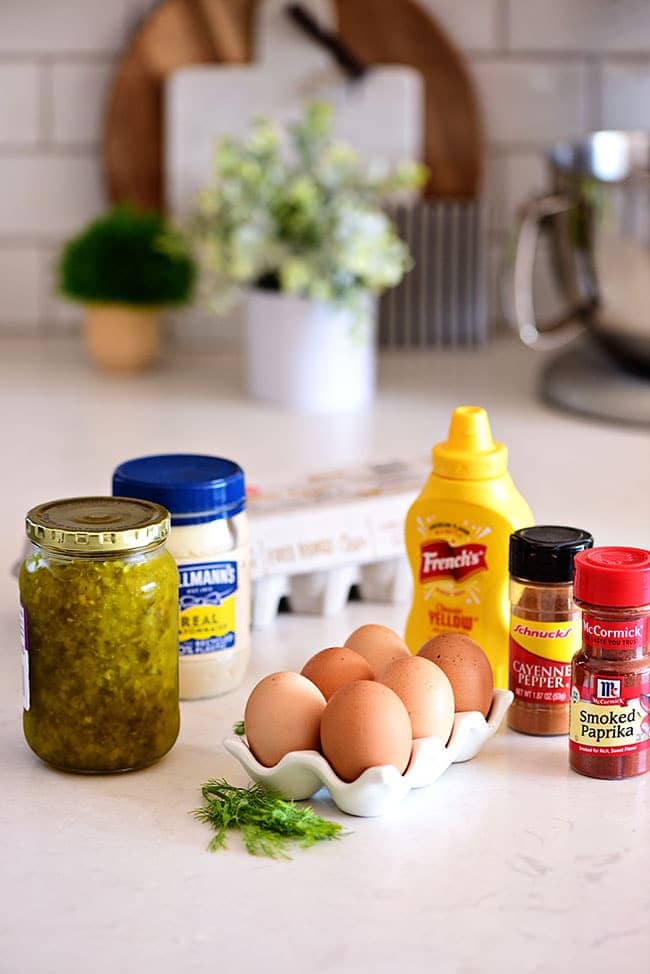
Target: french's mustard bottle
(457, 536)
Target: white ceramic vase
(307, 356)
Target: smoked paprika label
(540, 659)
(609, 715)
(609, 711)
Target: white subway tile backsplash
(471, 24)
(513, 179)
(495, 282)
(579, 25)
(531, 101)
(48, 196)
(62, 26)
(78, 101)
(626, 95)
(494, 187)
(19, 104)
(20, 286)
(544, 71)
(526, 176)
(137, 11)
(61, 317)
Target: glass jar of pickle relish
(99, 618)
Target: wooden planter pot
(122, 338)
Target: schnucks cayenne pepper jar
(544, 626)
(99, 614)
(609, 735)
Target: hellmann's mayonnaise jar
(206, 497)
(457, 536)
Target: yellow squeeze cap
(469, 452)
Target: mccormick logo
(442, 560)
(608, 692)
(608, 688)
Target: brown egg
(365, 725)
(333, 668)
(377, 644)
(283, 714)
(467, 667)
(426, 693)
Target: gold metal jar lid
(97, 525)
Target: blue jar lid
(194, 488)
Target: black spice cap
(545, 553)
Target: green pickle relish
(100, 653)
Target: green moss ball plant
(127, 257)
(125, 267)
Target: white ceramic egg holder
(301, 774)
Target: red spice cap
(617, 577)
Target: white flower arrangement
(307, 221)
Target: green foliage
(269, 823)
(128, 257)
(239, 728)
(306, 219)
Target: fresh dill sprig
(269, 823)
(239, 728)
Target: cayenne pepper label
(540, 659)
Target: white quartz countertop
(508, 863)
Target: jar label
(24, 655)
(631, 634)
(440, 559)
(207, 598)
(540, 659)
(452, 564)
(609, 713)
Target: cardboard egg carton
(312, 541)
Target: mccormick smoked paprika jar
(457, 532)
(609, 735)
(544, 626)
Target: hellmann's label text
(207, 598)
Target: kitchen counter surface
(509, 863)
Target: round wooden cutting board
(183, 32)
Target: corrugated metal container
(444, 299)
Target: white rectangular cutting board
(381, 115)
